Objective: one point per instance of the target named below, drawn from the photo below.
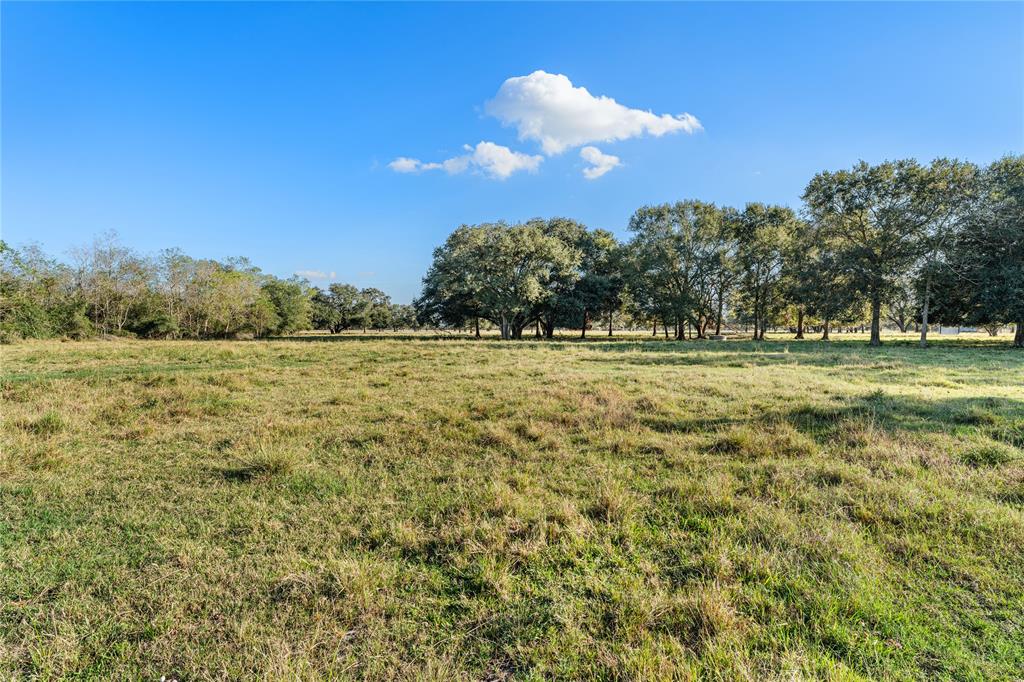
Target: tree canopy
(897, 242)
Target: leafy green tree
(200, 293)
(949, 195)
(403, 316)
(232, 304)
(150, 318)
(601, 284)
(262, 315)
(323, 313)
(563, 304)
(442, 306)
(674, 263)
(988, 255)
(504, 271)
(342, 307)
(37, 297)
(875, 216)
(903, 305)
(800, 271)
(815, 280)
(591, 288)
(724, 264)
(351, 304)
(112, 280)
(292, 305)
(764, 234)
(378, 309)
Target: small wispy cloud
(493, 160)
(600, 163)
(315, 275)
(404, 164)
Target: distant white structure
(956, 330)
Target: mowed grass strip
(457, 509)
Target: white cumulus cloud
(600, 163)
(501, 162)
(493, 160)
(549, 109)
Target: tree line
(110, 289)
(902, 242)
(897, 243)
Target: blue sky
(268, 130)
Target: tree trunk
(1018, 336)
(924, 314)
(583, 332)
(800, 323)
(476, 324)
(664, 325)
(824, 333)
(610, 316)
(718, 319)
(876, 320)
(655, 328)
(549, 329)
(536, 329)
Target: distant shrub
(156, 325)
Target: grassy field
(445, 509)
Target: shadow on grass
(1003, 418)
(239, 474)
(999, 422)
(851, 354)
(991, 429)
(659, 343)
(375, 337)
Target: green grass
(449, 508)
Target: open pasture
(370, 508)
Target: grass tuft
(988, 454)
(48, 424)
(263, 461)
(779, 440)
(613, 504)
